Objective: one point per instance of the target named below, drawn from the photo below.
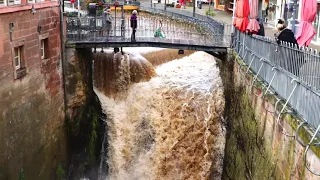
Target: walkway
(220, 16)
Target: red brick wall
(32, 107)
(26, 32)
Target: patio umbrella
(308, 15)
(242, 12)
(253, 25)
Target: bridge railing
(92, 29)
(216, 28)
(207, 32)
(291, 72)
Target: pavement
(219, 15)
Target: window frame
(4, 3)
(17, 2)
(17, 66)
(10, 3)
(19, 69)
(42, 49)
(44, 46)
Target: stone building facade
(32, 139)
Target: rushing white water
(168, 127)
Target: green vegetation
(84, 135)
(210, 13)
(72, 14)
(246, 155)
(22, 177)
(60, 174)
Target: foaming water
(167, 127)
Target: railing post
(122, 22)
(194, 8)
(115, 22)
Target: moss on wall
(83, 125)
(246, 156)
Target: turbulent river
(163, 122)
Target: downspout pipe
(62, 55)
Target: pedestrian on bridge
(133, 24)
(107, 21)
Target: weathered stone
(32, 137)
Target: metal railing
(186, 29)
(292, 72)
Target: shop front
(316, 25)
(269, 12)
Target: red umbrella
(242, 12)
(253, 25)
(308, 15)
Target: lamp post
(78, 8)
(194, 8)
(294, 16)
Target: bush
(210, 13)
(72, 14)
(60, 174)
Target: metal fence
(292, 72)
(219, 30)
(199, 30)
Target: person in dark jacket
(284, 34)
(290, 58)
(261, 30)
(107, 21)
(133, 23)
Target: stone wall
(256, 146)
(32, 137)
(85, 128)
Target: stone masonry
(32, 139)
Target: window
(44, 48)
(2, 3)
(18, 63)
(17, 57)
(10, 2)
(17, 1)
(31, 1)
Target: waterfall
(163, 122)
(102, 172)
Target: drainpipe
(62, 55)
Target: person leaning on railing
(107, 21)
(291, 57)
(284, 34)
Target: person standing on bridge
(107, 21)
(133, 24)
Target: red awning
(241, 20)
(308, 15)
(253, 25)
